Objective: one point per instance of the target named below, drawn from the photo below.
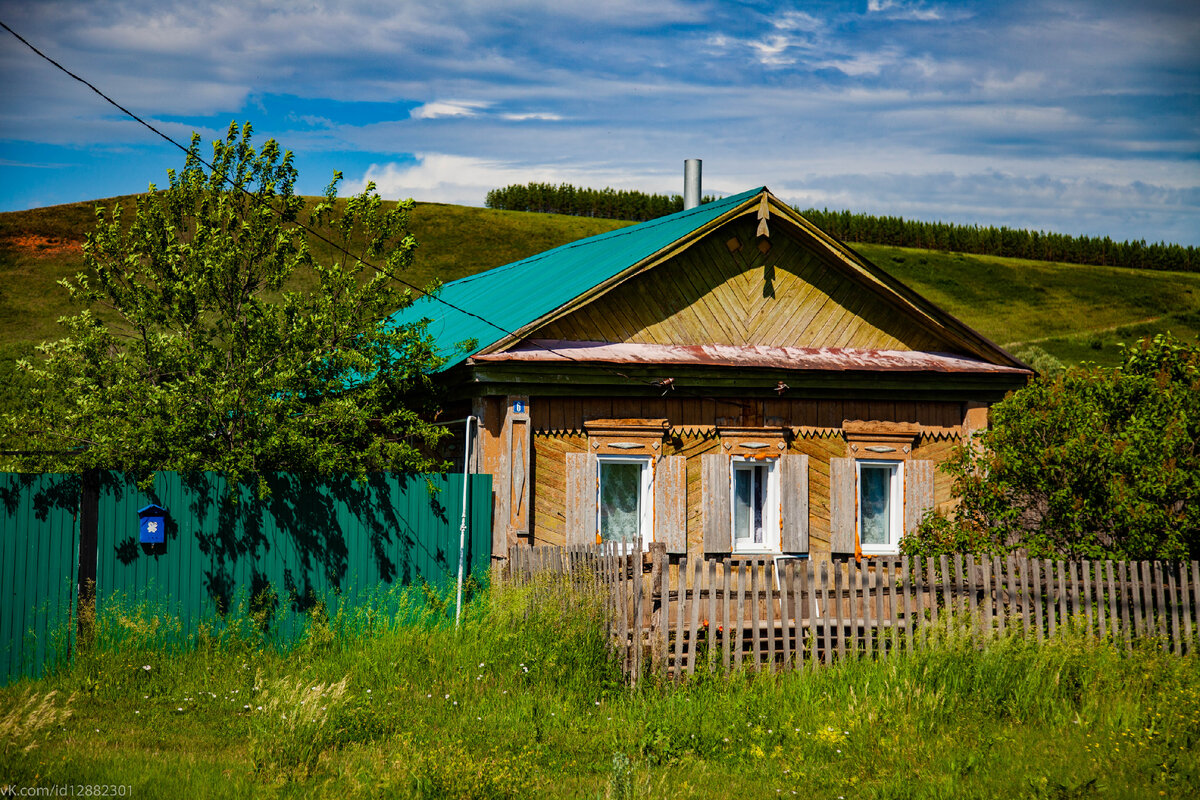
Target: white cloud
(772, 50)
(895, 9)
(446, 178)
(533, 115)
(449, 108)
(860, 64)
(797, 21)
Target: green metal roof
(507, 298)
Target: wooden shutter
(714, 491)
(793, 488)
(581, 498)
(843, 500)
(670, 503)
(918, 492)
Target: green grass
(40, 247)
(524, 701)
(1074, 312)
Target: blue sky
(1078, 117)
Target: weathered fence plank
(763, 614)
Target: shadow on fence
(669, 616)
(70, 544)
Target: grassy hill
(1074, 312)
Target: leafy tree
(1041, 361)
(1089, 463)
(196, 350)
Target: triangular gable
(658, 283)
(736, 288)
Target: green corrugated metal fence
(334, 541)
(38, 558)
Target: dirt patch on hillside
(42, 246)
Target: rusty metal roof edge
(797, 358)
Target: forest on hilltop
(865, 228)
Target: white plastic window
(626, 505)
(754, 502)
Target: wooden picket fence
(667, 616)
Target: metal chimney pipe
(691, 183)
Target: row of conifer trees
(851, 227)
(547, 198)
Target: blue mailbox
(152, 521)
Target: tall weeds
(525, 699)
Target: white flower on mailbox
(152, 524)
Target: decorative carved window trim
(629, 437)
(879, 440)
(753, 443)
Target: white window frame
(645, 499)
(772, 530)
(895, 506)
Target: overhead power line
(667, 383)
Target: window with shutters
(878, 492)
(625, 507)
(880, 506)
(625, 489)
(754, 502)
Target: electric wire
(667, 384)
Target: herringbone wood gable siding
(787, 297)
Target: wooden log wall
(549, 478)
(670, 618)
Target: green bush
(1088, 463)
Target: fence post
(712, 614)
(1162, 601)
(1187, 605)
(658, 605)
(680, 594)
(694, 613)
(741, 615)
(787, 601)
(769, 580)
(907, 600)
(755, 615)
(726, 630)
(826, 644)
(837, 606)
(804, 606)
(1174, 606)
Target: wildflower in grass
(146, 667)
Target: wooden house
(725, 380)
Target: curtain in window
(875, 483)
(620, 492)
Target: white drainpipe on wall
(462, 527)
